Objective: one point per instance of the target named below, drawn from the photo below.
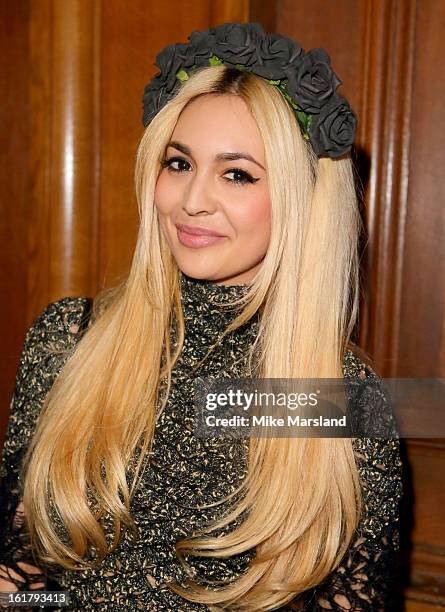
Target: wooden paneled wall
(72, 77)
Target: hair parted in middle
(302, 495)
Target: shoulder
(62, 319)
(63, 316)
(376, 447)
(48, 343)
(357, 363)
(369, 405)
(53, 333)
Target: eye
(243, 177)
(168, 163)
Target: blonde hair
(301, 517)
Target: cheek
(254, 216)
(164, 194)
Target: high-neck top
(194, 290)
(207, 313)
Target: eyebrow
(229, 156)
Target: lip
(197, 241)
(197, 230)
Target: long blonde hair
(302, 495)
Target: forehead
(218, 122)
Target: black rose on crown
(313, 82)
(333, 131)
(199, 49)
(170, 60)
(238, 43)
(279, 55)
(153, 99)
(163, 85)
(305, 79)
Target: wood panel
(14, 110)
(422, 345)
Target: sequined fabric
(182, 473)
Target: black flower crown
(306, 80)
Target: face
(211, 195)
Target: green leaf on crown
(304, 119)
(182, 75)
(289, 99)
(215, 61)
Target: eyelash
(246, 177)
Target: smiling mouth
(197, 241)
(197, 230)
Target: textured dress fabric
(183, 473)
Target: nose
(199, 196)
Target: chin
(203, 272)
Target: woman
(245, 265)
